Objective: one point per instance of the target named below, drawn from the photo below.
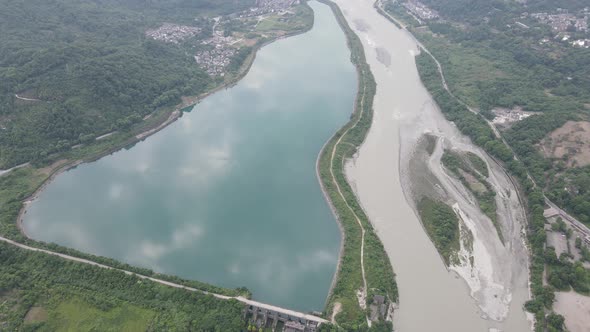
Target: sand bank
(576, 310)
(380, 174)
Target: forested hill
(466, 10)
(88, 68)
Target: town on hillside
(215, 53)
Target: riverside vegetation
(379, 272)
(493, 63)
(71, 71)
(442, 225)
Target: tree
(555, 322)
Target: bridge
(294, 321)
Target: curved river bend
(227, 194)
(431, 297)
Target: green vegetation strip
(442, 225)
(380, 278)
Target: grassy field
(465, 68)
(75, 314)
(303, 17)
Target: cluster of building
(276, 4)
(263, 318)
(215, 61)
(585, 43)
(563, 21)
(270, 6)
(421, 10)
(220, 47)
(505, 118)
(172, 33)
(564, 37)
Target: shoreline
(317, 165)
(336, 217)
(372, 273)
(173, 114)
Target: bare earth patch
(575, 308)
(474, 184)
(335, 311)
(505, 117)
(49, 169)
(36, 315)
(570, 142)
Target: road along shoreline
(242, 299)
(368, 271)
(165, 118)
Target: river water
(227, 194)
(432, 298)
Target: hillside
(85, 68)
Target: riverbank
(363, 269)
(476, 128)
(404, 111)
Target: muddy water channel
(487, 287)
(228, 194)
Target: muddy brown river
(485, 296)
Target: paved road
(4, 171)
(27, 99)
(246, 301)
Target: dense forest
(88, 69)
(46, 293)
